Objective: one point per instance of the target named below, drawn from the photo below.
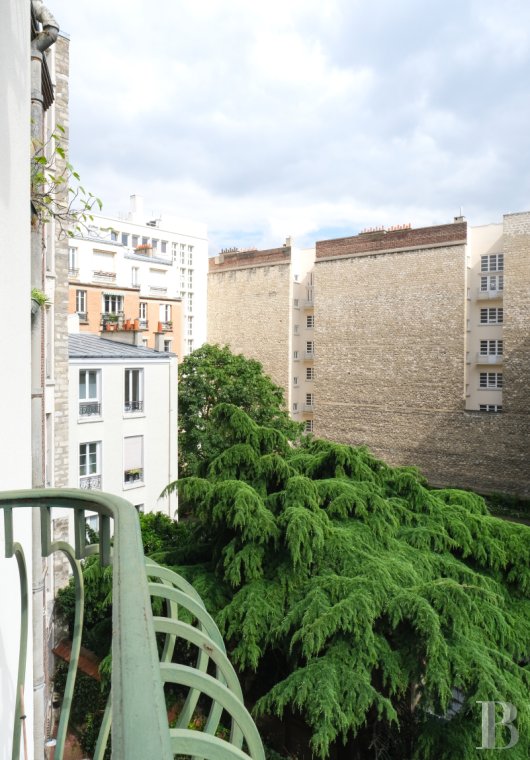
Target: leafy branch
(52, 193)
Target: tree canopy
(351, 593)
(212, 375)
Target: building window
(309, 400)
(143, 314)
(145, 241)
(491, 316)
(492, 282)
(167, 346)
(113, 236)
(163, 246)
(190, 301)
(295, 381)
(90, 465)
(310, 373)
(190, 279)
(134, 390)
(135, 271)
(112, 304)
(89, 392)
(190, 345)
(295, 355)
(80, 304)
(190, 255)
(190, 325)
(92, 523)
(140, 508)
(296, 303)
(310, 320)
(133, 459)
(135, 240)
(296, 329)
(491, 347)
(490, 408)
(490, 380)
(310, 348)
(154, 244)
(295, 406)
(124, 238)
(492, 263)
(309, 426)
(182, 256)
(165, 314)
(73, 268)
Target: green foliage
(210, 376)
(345, 585)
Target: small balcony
(136, 712)
(73, 274)
(309, 355)
(100, 276)
(309, 407)
(143, 323)
(133, 476)
(165, 326)
(83, 316)
(489, 358)
(90, 482)
(133, 406)
(112, 320)
(157, 290)
(90, 409)
(144, 249)
(488, 294)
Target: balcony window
(491, 316)
(491, 347)
(310, 373)
(309, 426)
(80, 305)
(73, 266)
(492, 408)
(112, 304)
(135, 277)
(494, 262)
(133, 457)
(490, 380)
(135, 240)
(89, 393)
(143, 315)
(90, 465)
(310, 320)
(125, 238)
(134, 391)
(492, 282)
(163, 246)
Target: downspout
(42, 41)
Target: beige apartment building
(420, 343)
(260, 304)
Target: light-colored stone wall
(249, 309)
(390, 352)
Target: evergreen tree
(212, 375)
(351, 593)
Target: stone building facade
(394, 312)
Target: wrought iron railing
(136, 711)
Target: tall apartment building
(260, 304)
(421, 343)
(152, 271)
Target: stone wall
(249, 310)
(389, 342)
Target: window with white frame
(491, 347)
(143, 313)
(190, 255)
(125, 238)
(310, 320)
(309, 399)
(135, 277)
(296, 329)
(135, 241)
(494, 262)
(134, 390)
(309, 426)
(310, 373)
(492, 282)
(167, 346)
(163, 246)
(295, 406)
(310, 348)
(490, 380)
(114, 236)
(295, 381)
(80, 304)
(154, 243)
(112, 303)
(90, 465)
(495, 408)
(295, 355)
(145, 241)
(296, 303)
(92, 522)
(73, 268)
(165, 313)
(190, 345)
(190, 301)
(182, 255)
(89, 392)
(190, 279)
(190, 325)
(491, 316)
(133, 459)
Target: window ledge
(89, 418)
(135, 484)
(133, 415)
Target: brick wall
(249, 310)
(239, 259)
(389, 342)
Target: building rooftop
(89, 346)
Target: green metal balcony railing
(136, 711)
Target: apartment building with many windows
(123, 420)
(260, 304)
(151, 274)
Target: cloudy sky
(309, 118)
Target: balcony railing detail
(134, 406)
(136, 711)
(90, 482)
(73, 273)
(104, 276)
(89, 409)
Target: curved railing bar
(199, 639)
(186, 742)
(156, 570)
(104, 731)
(18, 551)
(65, 548)
(139, 725)
(211, 687)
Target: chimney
(136, 213)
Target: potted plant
(38, 300)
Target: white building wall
(15, 387)
(157, 424)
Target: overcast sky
(309, 118)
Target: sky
(308, 118)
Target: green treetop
(212, 375)
(352, 594)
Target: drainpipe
(43, 40)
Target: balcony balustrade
(90, 482)
(136, 712)
(104, 276)
(89, 408)
(489, 293)
(73, 273)
(489, 358)
(133, 406)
